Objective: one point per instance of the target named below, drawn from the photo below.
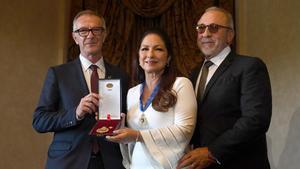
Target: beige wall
(32, 34)
(270, 29)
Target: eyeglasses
(84, 32)
(212, 28)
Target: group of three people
(169, 124)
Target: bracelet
(137, 137)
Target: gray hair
(87, 12)
(227, 14)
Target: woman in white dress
(161, 110)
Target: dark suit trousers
(96, 162)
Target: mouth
(206, 40)
(150, 61)
(90, 43)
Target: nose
(150, 53)
(90, 34)
(206, 33)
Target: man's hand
(88, 104)
(196, 159)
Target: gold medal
(143, 120)
(102, 130)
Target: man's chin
(92, 51)
(207, 52)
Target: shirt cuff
(213, 158)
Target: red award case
(109, 116)
(105, 127)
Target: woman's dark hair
(166, 97)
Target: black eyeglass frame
(84, 32)
(212, 28)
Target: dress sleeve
(167, 144)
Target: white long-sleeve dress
(166, 135)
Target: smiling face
(153, 54)
(211, 44)
(91, 45)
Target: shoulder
(244, 63)
(66, 67)
(134, 90)
(247, 59)
(113, 68)
(112, 71)
(182, 82)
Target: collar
(86, 63)
(217, 60)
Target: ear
(169, 59)
(104, 36)
(75, 38)
(230, 35)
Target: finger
(123, 116)
(89, 102)
(86, 110)
(114, 138)
(89, 107)
(199, 167)
(185, 163)
(95, 101)
(96, 116)
(110, 138)
(119, 131)
(196, 165)
(94, 95)
(185, 157)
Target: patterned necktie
(95, 89)
(203, 78)
(94, 79)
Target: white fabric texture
(167, 135)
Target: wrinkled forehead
(88, 21)
(216, 17)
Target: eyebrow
(145, 45)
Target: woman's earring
(168, 61)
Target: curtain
(126, 20)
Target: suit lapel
(108, 71)
(221, 69)
(195, 74)
(83, 88)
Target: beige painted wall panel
(270, 29)
(31, 40)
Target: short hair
(224, 11)
(87, 12)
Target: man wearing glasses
(234, 101)
(68, 102)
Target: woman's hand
(124, 135)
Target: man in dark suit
(67, 105)
(235, 104)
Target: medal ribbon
(150, 99)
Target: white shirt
(85, 65)
(166, 135)
(217, 60)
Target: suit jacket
(235, 113)
(71, 146)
